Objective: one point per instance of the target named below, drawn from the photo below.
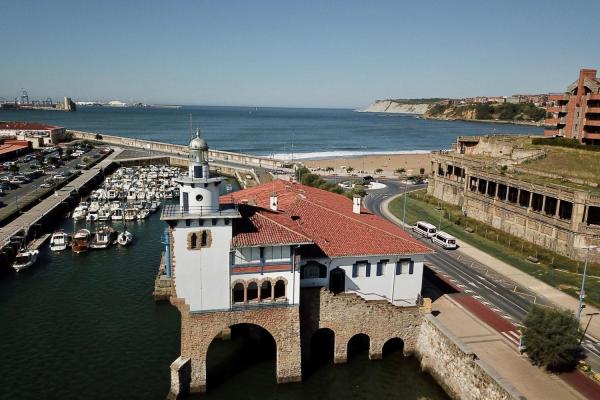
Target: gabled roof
(306, 214)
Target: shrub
(551, 338)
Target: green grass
(554, 269)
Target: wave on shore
(319, 155)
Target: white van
(424, 229)
(441, 238)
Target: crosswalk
(512, 336)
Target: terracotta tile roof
(322, 217)
(255, 228)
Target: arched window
(204, 239)
(313, 270)
(252, 291)
(193, 240)
(279, 289)
(265, 290)
(238, 293)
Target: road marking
(469, 291)
(473, 284)
(460, 285)
(512, 336)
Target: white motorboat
(59, 241)
(92, 216)
(81, 241)
(130, 214)
(154, 206)
(25, 259)
(117, 214)
(94, 207)
(103, 237)
(125, 238)
(105, 213)
(79, 213)
(143, 213)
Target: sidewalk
(540, 288)
(500, 353)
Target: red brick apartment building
(576, 113)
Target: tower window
(199, 197)
(199, 239)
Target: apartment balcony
(557, 109)
(594, 96)
(591, 122)
(553, 132)
(551, 121)
(593, 110)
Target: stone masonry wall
(456, 368)
(348, 315)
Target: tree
(378, 171)
(551, 338)
(400, 171)
(349, 169)
(329, 169)
(13, 168)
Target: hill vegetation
(487, 111)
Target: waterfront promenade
(33, 215)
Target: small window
(204, 239)
(381, 265)
(188, 222)
(411, 267)
(215, 221)
(193, 241)
(361, 270)
(199, 197)
(402, 267)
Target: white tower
(200, 232)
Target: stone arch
(322, 346)
(392, 345)
(238, 292)
(279, 289)
(359, 343)
(253, 344)
(266, 290)
(252, 290)
(199, 330)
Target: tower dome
(198, 143)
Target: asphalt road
(12, 196)
(497, 292)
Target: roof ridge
(365, 223)
(283, 226)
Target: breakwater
(177, 149)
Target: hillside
(522, 112)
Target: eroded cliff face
(455, 112)
(395, 107)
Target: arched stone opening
(358, 346)
(337, 280)
(252, 292)
(393, 346)
(266, 291)
(322, 345)
(279, 289)
(250, 346)
(238, 293)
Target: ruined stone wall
(446, 190)
(456, 368)
(348, 315)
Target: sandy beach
(412, 163)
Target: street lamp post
(591, 315)
(582, 291)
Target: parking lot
(43, 169)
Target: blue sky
(284, 53)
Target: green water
(85, 327)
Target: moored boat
(60, 240)
(81, 241)
(125, 238)
(25, 259)
(103, 237)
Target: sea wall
(456, 368)
(394, 107)
(176, 149)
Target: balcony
(591, 122)
(552, 132)
(593, 110)
(174, 211)
(557, 109)
(594, 96)
(591, 135)
(551, 121)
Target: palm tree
(329, 169)
(378, 170)
(399, 171)
(349, 169)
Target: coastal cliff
(396, 107)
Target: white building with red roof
(260, 246)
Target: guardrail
(176, 211)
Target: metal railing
(175, 210)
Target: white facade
(397, 279)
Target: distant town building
(13, 148)
(38, 135)
(576, 113)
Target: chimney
(273, 202)
(356, 204)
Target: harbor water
(281, 132)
